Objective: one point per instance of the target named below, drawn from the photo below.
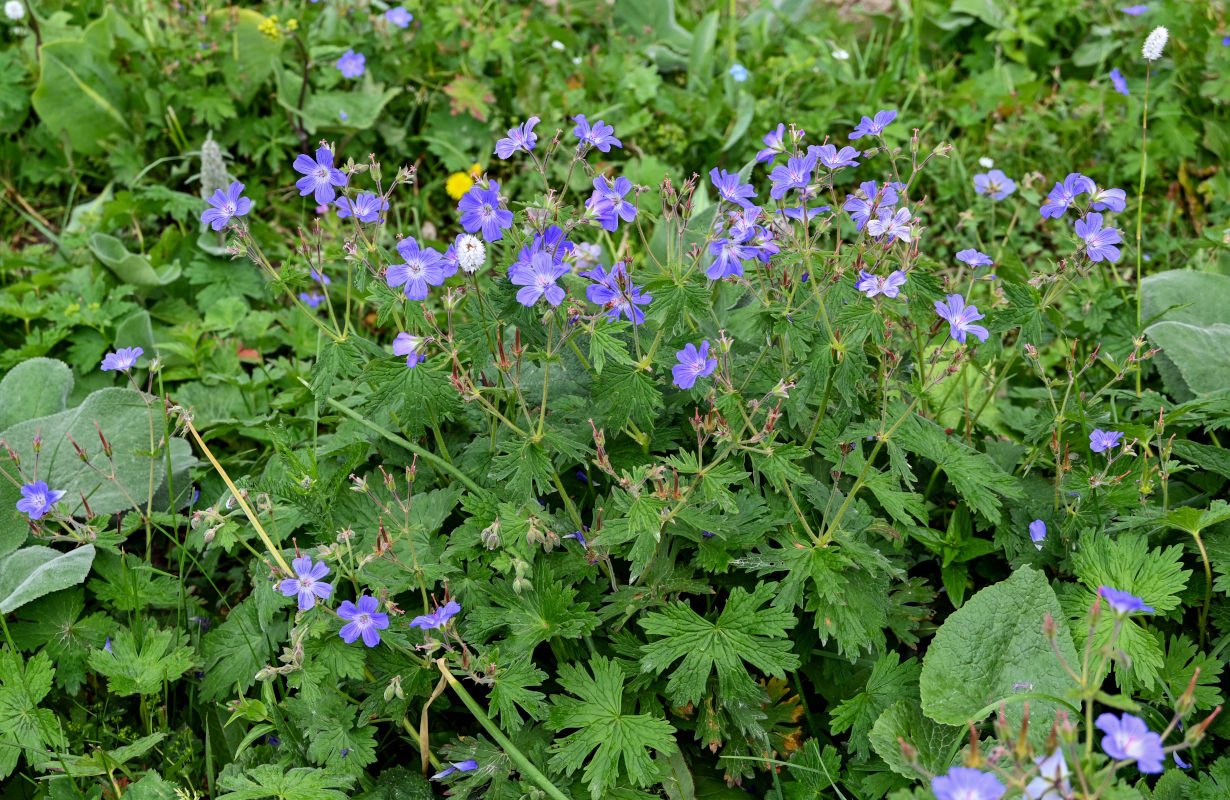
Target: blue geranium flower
(729, 188)
(437, 619)
(1099, 242)
(122, 360)
(1123, 603)
(399, 16)
(423, 267)
(307, 583)
(1120, 82)
(1064, 194)
(600, 135)
(1037, 533)
(362, 620)
(738, 72)
(352, 64)
(480, 209)
(961, 318)
(226, 205)
(367, 207)
(974, 258)
(521, 137)
(37, 499)
(873, 127)
(692, 364)
(409, 346)
(966, 783)
(319, 176)
(1128, 738)
(538, 279)
(994, 183)
(872, 285)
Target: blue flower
(311, 299)
(424, 267)
(1178, 762)
(896, 226)
(480, 208)
(796, 174)
(775, 144)
(868, 200)
(873, 127)
(796, 213)
(994, 183)
(122, 359)
(965, 783)
(320, 176)
(729, 188)
(409, 346)
(616, 292)
(399, 16)
(521, 137)
(1134, 11)
(538, 279)
(974, 258)
(37, 499)
(307, 583)
(579, 536)
(601, 135)
(1037, 533)
(1109, 199)
(226, 205)
(832, 158)
(367, 207)
(1099, 242)
(1064, 194)
(460, 766)
(363, 620)
(872, 284)
(1128, 738)
(961, 318)
(351, 64)
(1120, 82)
(608, 202)
(738, 72)
(731, 254)
(692, 364)
(1123, 603)
(437, 619)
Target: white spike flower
(471, 254)
(14, 10)
(1154, 44)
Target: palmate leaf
(271, 780)
(891, 681)
(743, 632)
(605, 735)
(1182, 660)
(24, 727)
(511, 693)
(142, 669)
(528, 619)
(55, 623)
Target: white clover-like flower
(986, 162)
(471, 254)
(14, 10)
(841, 55)
(1155, 43)
(557, 44)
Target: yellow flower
(460, 182)
(269, 27)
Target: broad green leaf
(80, 93)
(135, 330)
(37, 387)
(131, 268)
(993, 649)
(248, 56)
(124, 418)
(934, 742)
(102, 762)
(606, 734)
(1188, 296)
(977, 478)
(1201, 353)
(743, 632)
(32, 572)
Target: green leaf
(992, 649)
(1183, 658)
(272, 780)
(547, 611)
(934, 743)
(236, 650)
(131, 268)
(606, 735)
(24, 727)
(132, 669)
(1216, 459)
(743, 632)
(80, 92)
(38, 387)
(891, 681)
(32, 572)
(55, 624)
(247, 55)
(510, 691)
(1126, 562)
(1187, 296)
(124, 418)
(1201, 353)
(103, 762)
(974, 475)
(625, 393)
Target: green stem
(523, 763)
(427, 455)
(1140, 205)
